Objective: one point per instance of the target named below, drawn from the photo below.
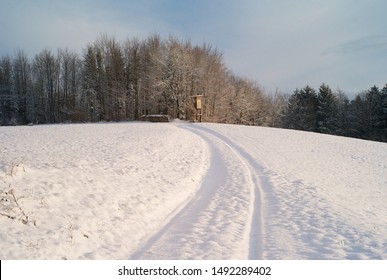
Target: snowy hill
(189, 191)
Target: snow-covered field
(189, 191)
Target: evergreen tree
(382, 119)
(342, 105)
(374, 104)
(302, 110)
(357, 117)
(327, 121)
(292, 112)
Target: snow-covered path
(189, 191)
(223, 220)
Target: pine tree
(292, 112)
(382, 119)
(302, 110)
(327, 121)
(374, 102)
(357, 116)
(342, 105)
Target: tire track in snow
(224, 219)
(178, 222)
(254, 171)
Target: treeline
(118, 81)
(333, 113)
(113, 81)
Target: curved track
(224, 220)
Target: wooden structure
(155, 118)
(198, 106)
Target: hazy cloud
(363, 44)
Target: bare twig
(14, 168)
(10, 197)
(8, 216)
(24, 215)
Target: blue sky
(280, 44)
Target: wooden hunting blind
(198, 106)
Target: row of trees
(114, 81)
(333, 113)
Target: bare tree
(70, 81)
(46, 79)
(7, 96)
(131, 53)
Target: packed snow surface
(189, 191)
